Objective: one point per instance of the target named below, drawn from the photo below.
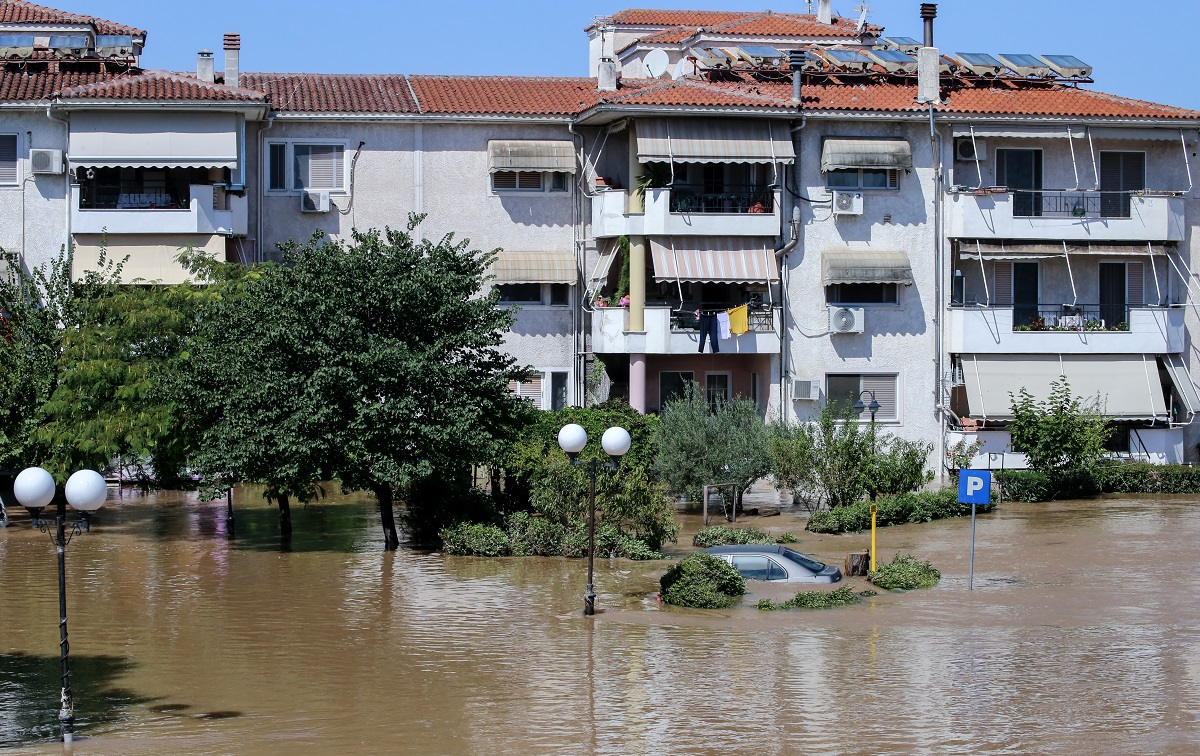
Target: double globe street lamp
(616, 442)
(85, 491)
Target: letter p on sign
(975, 487)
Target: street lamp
(85, 491)
(873, 406)
(616, 441)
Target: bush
(474, 539)
(535, 536)
(924, 506)
(702, 581)
(1147, 478)
(814, 600)
(722, 535)
(905, 573)
(1063, 433)
(1027, 485)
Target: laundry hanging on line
(723, 325)
(739, 320)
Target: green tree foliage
(702, 581)
(703, 444)
(372, 362)
(1064, 433)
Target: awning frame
(535, 155)
(850, 154)
(714, 140)
(713, 260)
(857, 266)
(517, 267)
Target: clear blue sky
(545, 37)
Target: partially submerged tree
(1064, 433)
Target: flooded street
(1082, 636)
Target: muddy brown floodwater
(1082, 637)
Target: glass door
(1025, 294)
(1112, 294)
(1021, 171)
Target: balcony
(1059, 329)
(671, 332)
(1066, 216)
(141, 215)
(687, 212)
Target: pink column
(637, 382)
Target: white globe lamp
(86, 491)
(616, 442)
(34, 490)
(572, 438)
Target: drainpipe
(263, 157)
(66, 122)
(785, 278)
(940, 409)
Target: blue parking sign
(975, 487)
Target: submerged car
(765, 562)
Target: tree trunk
(285, 515)
(383, 492)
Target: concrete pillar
(637, 283)
(637, 382)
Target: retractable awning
(1127, 386)
(865, 153)
(160, 139)
(1078, 131)
(535, 267)
(1035, 251)
(851, 266)
(662, 140)
(714, 260)
(530, 155)
(1185, 387)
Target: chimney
(929, 61)
(606, 77)
(796, 63)
(233, 51)
(204, 66)
(825, 12)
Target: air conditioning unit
(806, 391)
(846, 319)
(847, 203)
(970, 149)
(46, 161)
(314, 202)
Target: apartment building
(924, 232)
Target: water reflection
(1080, 636)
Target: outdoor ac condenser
(46, 161)
(847, 203)
(846, 319)
(314, 202)
(806, 390)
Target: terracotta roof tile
(39, 87)
(504, 95)
(651, 17)
(22, 12)
(792, 25)
(160, 85)
(697, 93)
(333, 93)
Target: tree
(701, 444)
(1062, 434)
(373, 362)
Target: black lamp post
(873, 406)
(616, 442)
(85, 491)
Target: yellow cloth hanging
(739, 320)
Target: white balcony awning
(1127, 387)
(534, 267)
(1077, 131)
(852, 266)
(714, 260)
(866, 153)
(662, 140)
(166, 139)
(1185, 387)
(530, 155)
(1042, 251)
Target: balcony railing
(670, 332)
(1065, 329)
(1066, 216)
(1036, 204)
(744, 199)
(684, 212)
(1077, 317)
(208, 210)
(760, 319)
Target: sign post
(974, 487)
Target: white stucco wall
(33, 214)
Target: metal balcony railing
(733, 199)
(760, 320)
(1038, 204)
(1077, 317)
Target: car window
(775, 571)
(752, 567)
(807, 562)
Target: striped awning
(530, 155)
(714, 140)
(714, 260)
(838, 154)
(535, 267)
(1181, 378)
(852, 266)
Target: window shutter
(1110, 172)
(1134, 293)
(8, 158)
(325, 166)
(532, 390)
(529, 180)
(504, 180)
(1003, 281)
(893, 178)
(514, 387)
(884, 387)
(1001, 167)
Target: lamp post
(873, 406)
(616, 441)
(85, 491)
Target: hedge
(723, 535)
(923, 506)
(816, 600)
(702, 581)
(1126, 478)
(525, 535)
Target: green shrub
(923, 506)
(905, 573)
(1027, 485)
(814, 600)
(535, 536)
(611, 540)
(787, 537)
(723, 535)
(702, 581)
(474, 539)
(1146, 478)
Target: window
(560, 294)
(1120, 173)
(558, 181)
(716, 389)
(535, 294)
(861, 293)
(530, 390)
(558, 391)
(672, 386)
(517, 181)
(845, 390)
(8, 159)
(1018, 170)
(298, 166)
(863, 178)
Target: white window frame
(546, 298)
(17, 162)
(893, 180)
(728, 383)
(865, 417)
(289, 160)
(546, 187)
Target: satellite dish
(656, 63)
